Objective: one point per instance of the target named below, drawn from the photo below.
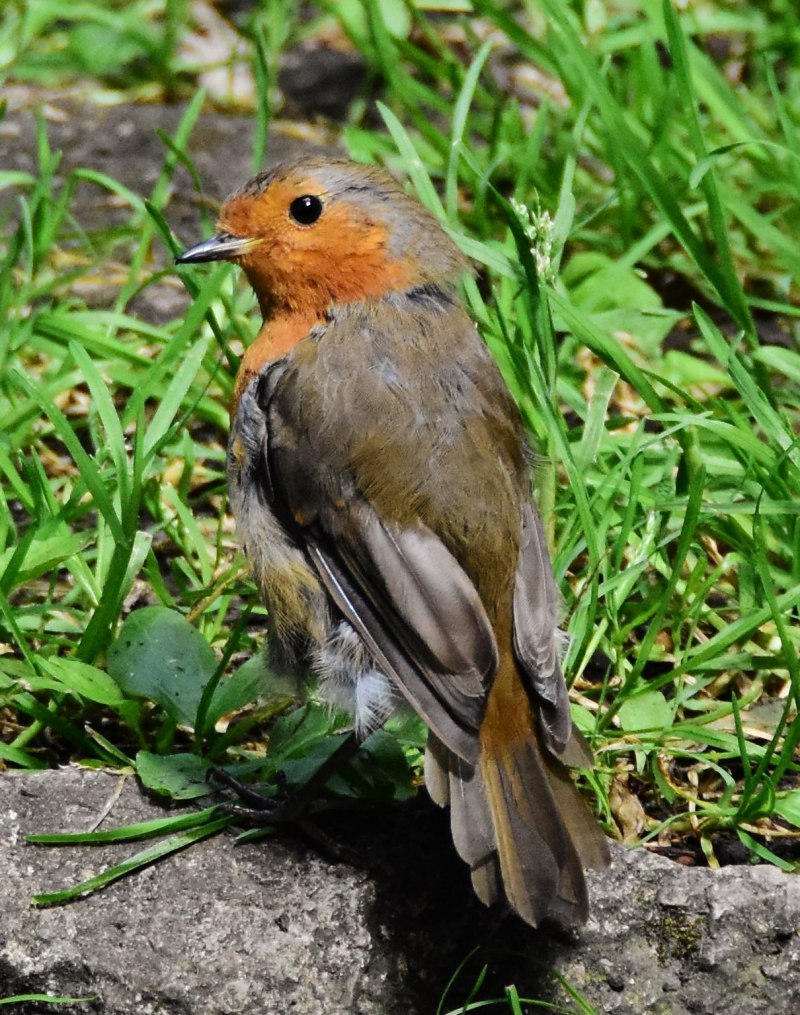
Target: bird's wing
(419, 613)
(535, 626)
(399, 586)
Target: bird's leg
(295, 808)
(287, 807)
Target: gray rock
(275, 927)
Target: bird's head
(316, 232)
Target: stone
(274, 926)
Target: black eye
(306, 209)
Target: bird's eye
(306, 210)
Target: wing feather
(421, 617)
(535, 624)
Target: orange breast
(277, 337)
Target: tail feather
(518, 821)
(540, 867)
(486, 881)
(437, 771)
(584, 832)
(450, 780)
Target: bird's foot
(296, 808)
(257, 809)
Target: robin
(380, 479)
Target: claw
(284, 807)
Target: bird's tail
(516, 817)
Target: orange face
(311, 249)
(315, 233)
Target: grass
(633, 217)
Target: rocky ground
(274, 926)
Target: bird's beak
(222, 247)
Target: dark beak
(222, 247)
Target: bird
(381, 481)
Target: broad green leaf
(648, 710)
(251, 680)
(386, 768)
(788, 806)
(293, 734)
(181, 776)
(160, 656)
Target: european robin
(380, 479)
